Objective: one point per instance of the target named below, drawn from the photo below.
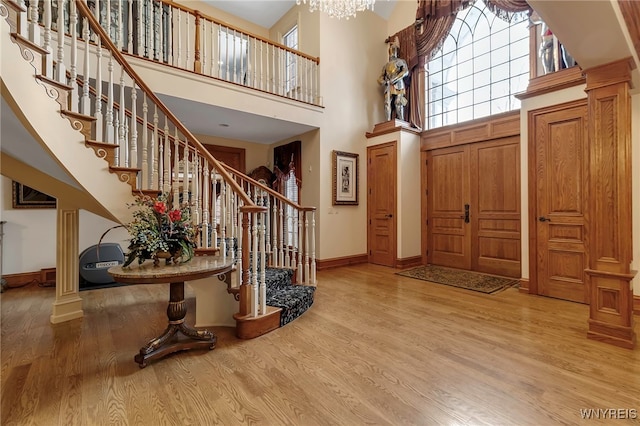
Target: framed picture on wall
(25, 197)
(345, 179)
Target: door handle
(466, 213)
(388, 216)
(544, 219)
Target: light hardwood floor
(375, 348)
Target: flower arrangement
(157, 231)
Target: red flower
(175, 215)
(160, 207)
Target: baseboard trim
(636, 305)
(21, 279)
(408, 262)
(524, 285)
(341, 261)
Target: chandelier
(339, 8)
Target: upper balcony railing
(175, 35)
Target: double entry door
(473, 207)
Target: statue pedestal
(391, 126)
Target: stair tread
(78, 115)
(124, 169)
(23, 40)
(16, 6)
(104, 144)
(54, 82)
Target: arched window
(482, 63)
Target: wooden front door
(473, 206)
(381, 211)
(448, 213)
(559, 147)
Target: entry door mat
(469, 280)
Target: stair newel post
(154, 150)
(255, 311)
(122, 142)
(176, 170)
(197, 65)
(306, 247)
(313, 247)
(48, 59)
(61, 70)
(245, 289)
(262, 246)
(134, 127)
(85, 102)
(34, 26)
(98, 98)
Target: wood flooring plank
(375, 348)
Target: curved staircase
(84, 94)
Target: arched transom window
(482, 63)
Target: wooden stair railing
(178, 164)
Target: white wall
(29, 242)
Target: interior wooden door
(561, 169)
(381, 212)
(449, 239)
(233, 157)
(495, 206)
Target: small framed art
(345, 179)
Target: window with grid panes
(482, 63)
(290, 40)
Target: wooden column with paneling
(610, 248)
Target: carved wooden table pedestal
(178, 336)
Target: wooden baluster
(187, 66)
(98, 99)
(261, 66)
(145, 142)
(166, 160)
(267, 218)
(179, 55)
(214, 214)
(110, 131)
(130, 26)
(313, 248)
(48, 59)
(195, 190)
(274, 81)
(33, 18)
(224, 204)
(206, 189)
(283, 237)
(300, 241)
(255, 64)
(161, 164)
(198, 174)
(185, 172)
(176, 171)
(140, 26)
(204, 47)
(263, 260)
(197, 65)
(122, 148)
(119, 33)
(61, 69)
(215, 59)
(160, 32)
(274, 235)
(73, 71)
(155, 150)
(235, 56)
(254, 264)
(107, 19)
(306, 248)
(226, 54)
